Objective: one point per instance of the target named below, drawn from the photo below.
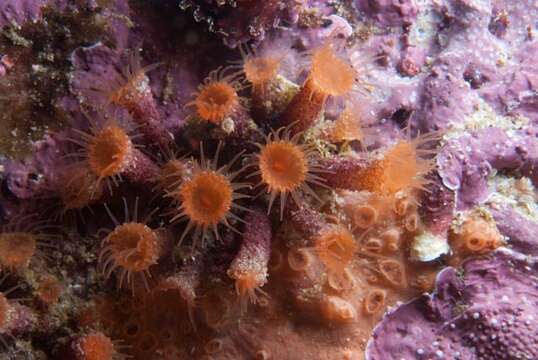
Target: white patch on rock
(427, 247)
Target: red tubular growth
(249, 268)
(131, 90)
(354, 173)
(185, 283)
(330, 75)
(307, 220)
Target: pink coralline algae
(465, 163)
(18, 12)
(250, 179)
(471, 315)
(390, 12)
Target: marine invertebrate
(96, 346)
(336, 247)
(260, 70)
(406, 164)
(16, 249)
(217, 98)
(391, 238)
(374, 301)
(356, 172)
(286, 167)
(427, 246)
(249, 268)
(347, 127)
(393, 272)
(171, 173)
(79, 188)
(476, 236)
(207, 197)
(400, 173)
(304, 291)
(341, 281)
(130, 248)
(330, 75)
(185, 284)
(365, 209)
(131, 90)
(108, 152)
(300, 260)
(49, 289)
(22, 239)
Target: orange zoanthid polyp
(171, 175)
(130, 86)
(217, 98)
(405, 166)
(259, 71)
(134, 84)
(330, 74)
(247, 284)
(130, 248)
(133, 247)
(336, 247)
(16, 249)
(283, 165)
(207, 197)
(49, 290)
(95, 346)
(79, 188)
(346, 127)
(365, 209)
(108, 151)
(286, 167)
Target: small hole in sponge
(131, 329)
